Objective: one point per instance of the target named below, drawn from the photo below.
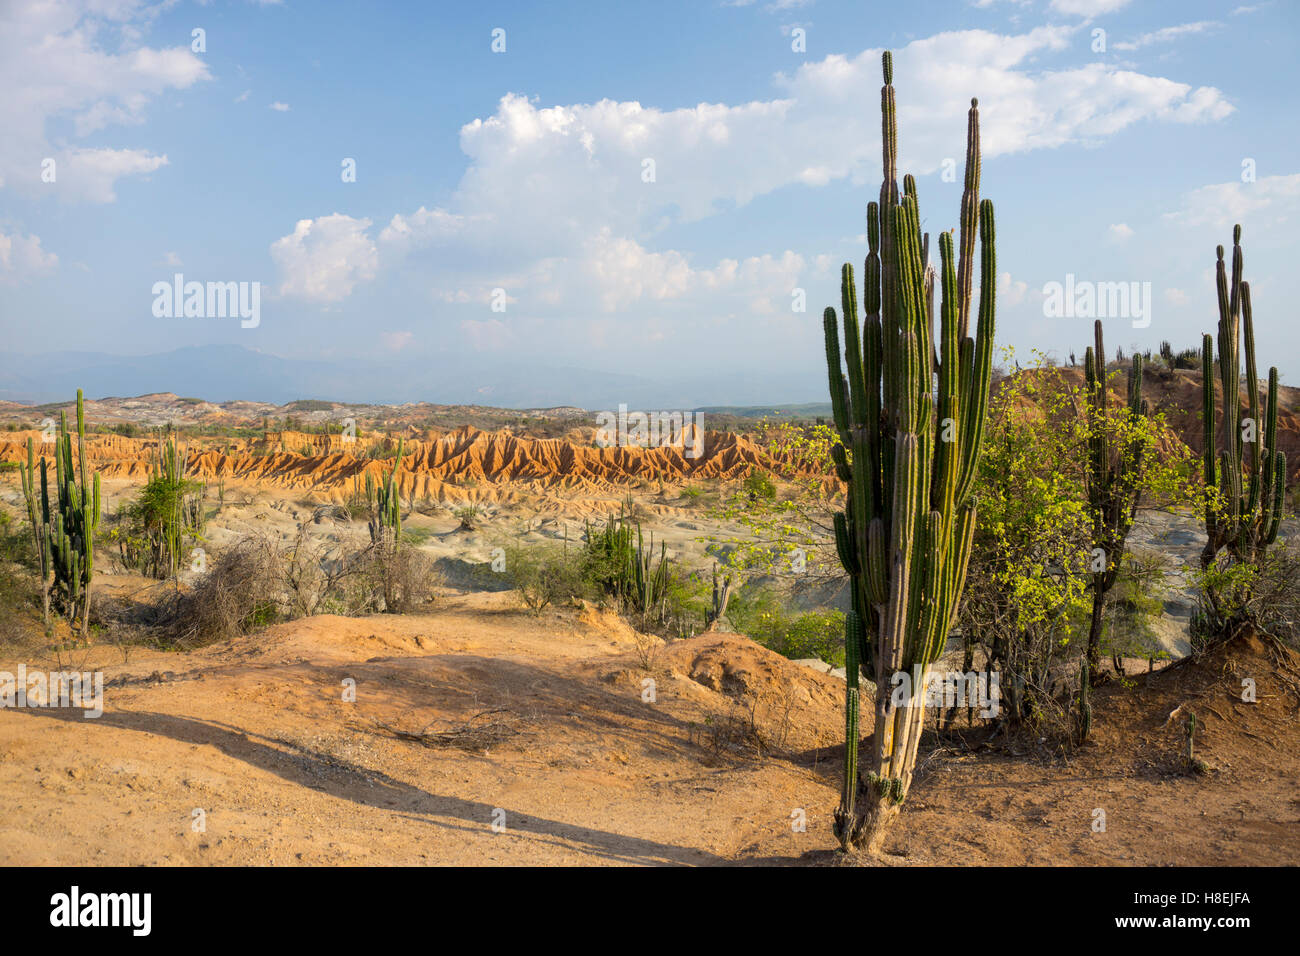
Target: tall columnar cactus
(73, 520)
(38, 519)
(385, 506)
(1246, 490)
(909, 460)
(169, 467)
(1113, 481)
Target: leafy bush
(760, 614)
(1267, 595)
(546, 574)
(19, 597)
(1135, 602)
(759, 484)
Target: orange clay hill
(324, 463)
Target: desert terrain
(475, 731)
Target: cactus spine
(905, 535)
(1114, 489)
(1242, 514)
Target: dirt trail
(256, 735)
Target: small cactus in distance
(1246, 479)
(385, 506)
(38, 518)
(71, 520)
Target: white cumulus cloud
(21, 258)
(92, 71)
(323, 259)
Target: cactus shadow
(306, 768)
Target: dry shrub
(399, 579)
(1275, 599)
(239, 592)
(260, 581)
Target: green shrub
(546, 574)
(759, 614)
(759, 484)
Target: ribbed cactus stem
(909, 456)
(1243, 468)
(70, 522)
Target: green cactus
(385, 506)
(853, 643)
(909, 458)
(650, 580)
(38, 520)
(1114, 488)
(1242, 514)
(624, 564)
(722, 585)
(70, 524)
(174, 508)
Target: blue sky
(522, 170)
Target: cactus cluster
(624, 563)
(722, 585)
(1113, 480)
(908, 455)
(183, 512)
(385, 506)
(38, 520)
(64, 527)
(1246, 491)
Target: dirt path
(258, 737)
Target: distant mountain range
(220, 373)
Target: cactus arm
(969, 218)
(975, 400)
(948, 447)
(835, 374)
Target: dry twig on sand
(483, 730)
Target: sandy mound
(1232, 735)
(793, 706)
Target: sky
(639, 188)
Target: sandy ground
(736, 748)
